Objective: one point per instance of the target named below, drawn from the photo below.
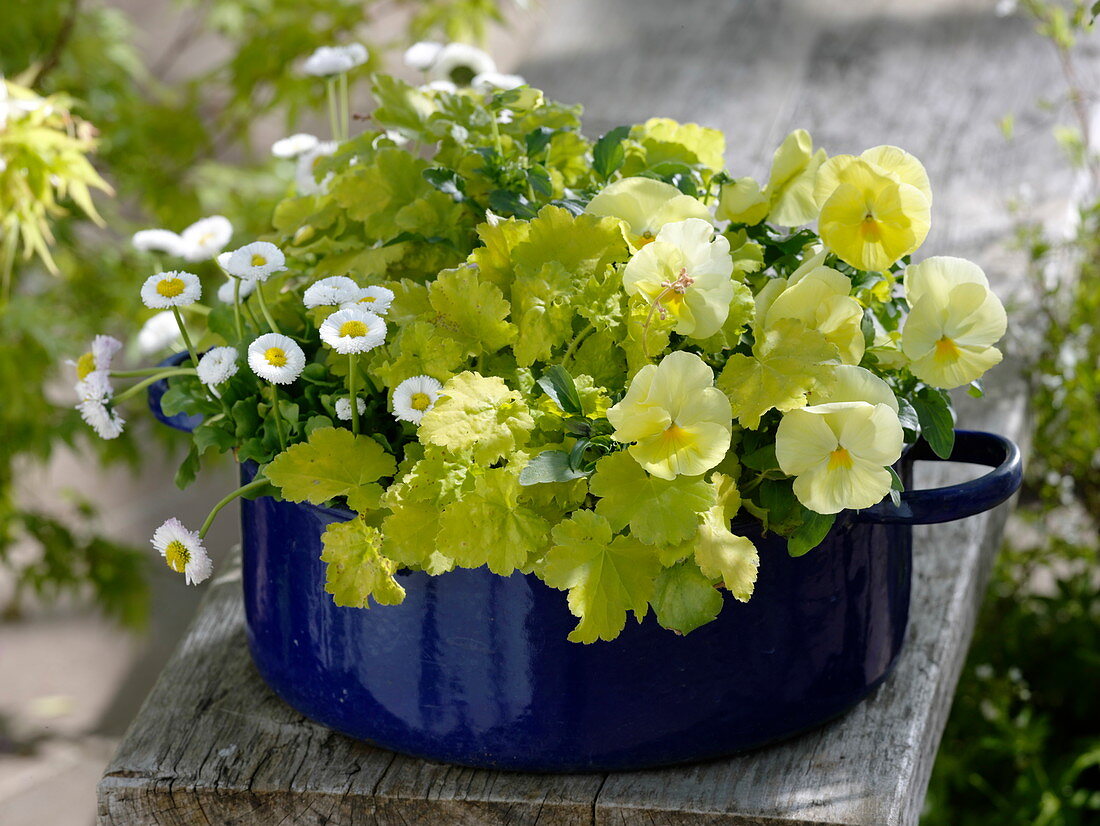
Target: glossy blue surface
(156, 391)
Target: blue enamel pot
(475, 669)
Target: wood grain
(213, 745)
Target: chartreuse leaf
(721, 553)
(494, 259)
(471, 312)
(658, 512)
(356, 569)
(605, 577)
(409, 537)
(489, 526)
(663, 140)
(785, 365)
(334, 462)
(542, 311)
(684, 598)
(583, 245)
(479, 416)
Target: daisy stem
(278, 415)
(237, 307)
(267, 313)
(251, 314)
(353, 372)
(129, 392)
(345, 100)
(330, 88)
(186, 336)
(11, 244)
(136, 374)
(255, 484)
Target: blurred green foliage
(175, 139)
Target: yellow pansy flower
(871, 220)
(679, 422)
(891, 161)
(819, 299)
(686, 274)
(853, 384)
(743, 202)
(645, 205)
(791, 184)
(838, 453)
(953, 323)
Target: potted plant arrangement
(612, 445)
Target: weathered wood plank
(213, 745)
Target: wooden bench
(213, 745)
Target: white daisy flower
(170, 289)
(222, 259)
(335, 60)
(304, 177)
(99, 357)
(95, 387)
(276, 358)
(227, 290)
(157, 240)
(492, 81)
(103, 420)
(205, 238)
(256, 261)
(343, 408)
(375, 299)
(183, 551)
(422, 55)
(439, 86)
(357, 53)
(158, 334)
(354, 330)
(330, 292)
(218, 366)
(294, 145)
(460, 63)
(414, 397)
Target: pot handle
(925, 507)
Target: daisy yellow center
(275, 356)
(353, 328)
(177, 556)
(369, 299)
(258, 260)
(946, 350)
(170, 287)
(85, 365)
(840, 458)
(420, 401)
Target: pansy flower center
(420, 401)
(353, 329)
(276, 356)
(85, 365)
(170, 287)
(946, 350)
(177, 556)
(869, 228)
(840, 458)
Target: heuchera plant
(497, 343)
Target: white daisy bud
(343, 408)
(375, 299)
(304, 177)
(183, 551)
(354, 330)
(256, 261)
(460, 63)
(276, 358)
(227, 290)
(205, 238)
(217, 366)
(294, 145)
(414, 397)
(103, 420)
(157, 240)
(330, 292)
(335, 60)
(158, 334)
(492, 81)
(170, 289)
(422, 55)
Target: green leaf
(538, 139)
(608, 154)
(684, 598)
(897, 487)
(446, 181)
(334, 462)
(189, 468)
(479, 416)
(810, 533)
(907, 415)
(936, 420)
(605, 577)
(471, 312)
(558, 385)
(659, 512)
(489, 526)
(719, 552)
(355, 569)
(549, 466)
(409, 537)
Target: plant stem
(136, 374)
(576, 342)
(186, 337)
(237, 307)
(256, 483)
(133, 390)
(11, 244)
(352, 391)
(251, 314)
(263, 309)
(333, 125)
(278, 415)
